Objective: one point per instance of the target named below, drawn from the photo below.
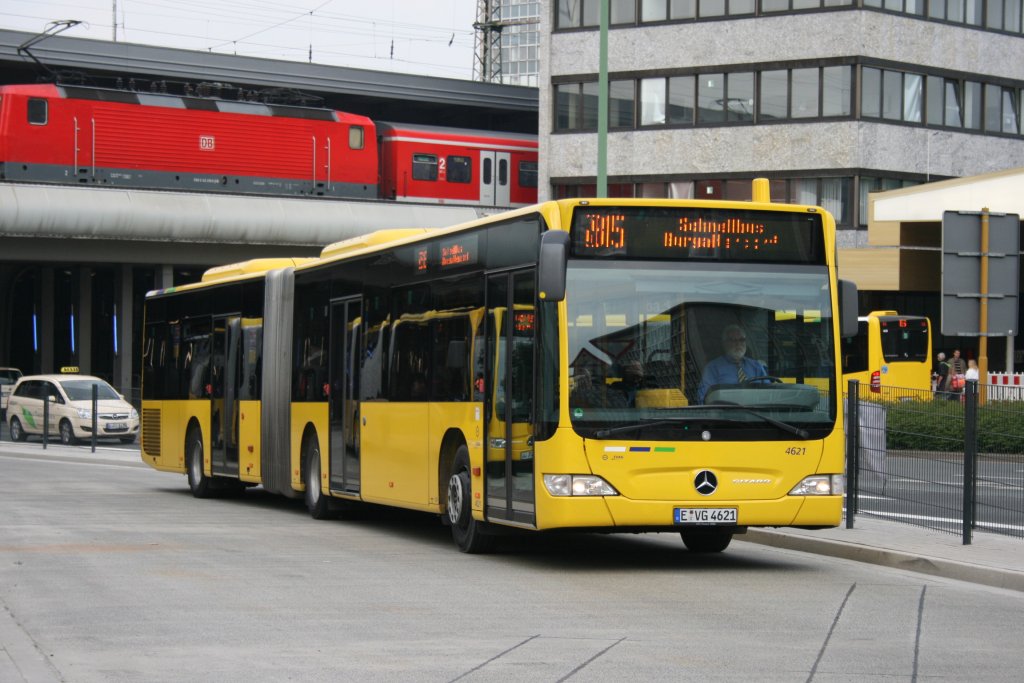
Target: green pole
(602, 106)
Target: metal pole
(602, 105)
(95, 416)
(970, 456)
(46, 420)
(983, 306)
(852, 446)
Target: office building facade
(829, 99)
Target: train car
(126, 138)
(82, 135)
(457, 166)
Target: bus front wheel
(319, 505)
(706, 540)
(469, 534)
(200, 484)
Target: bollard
(46, 420)
(852, 446)
(970, 458)
(95, 416)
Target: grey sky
(433, 37)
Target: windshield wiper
(602, 433)
(784, 426)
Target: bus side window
(38, 111)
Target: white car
(8, 376)
(70, 400)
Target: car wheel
(17, 433)
(67, 433)
(317, 503)
(706, 540)
(469, 534)
(200, 484)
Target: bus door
(224, 386)
(346, 321)
(511, 317)
(494, 178)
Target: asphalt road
(110, 571)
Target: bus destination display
(447, 254)
(697, 233)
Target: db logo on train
(206, 142)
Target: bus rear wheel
(200, 484)
(706, 540)
(319, 505)
(469, 534)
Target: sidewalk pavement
(990, 559)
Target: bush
(939, 426)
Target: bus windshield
(667, 350)
(904, 338)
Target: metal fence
(953, 462)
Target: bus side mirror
(847, 309)
(554, 253)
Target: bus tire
(200, 484)
(706, 540)
(317, 503)
(17, 433)
(67, 433)
(469, 535)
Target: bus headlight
(578, 485)
(820, 485)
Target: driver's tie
(740, 375)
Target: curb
(960, 571)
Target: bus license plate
(705, 515)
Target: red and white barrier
(1005, 386)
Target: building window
(775, 94)
(836, 90)
(653, 101)
(710, 98)
(621, 12)
(621, 103)
(805, 93)
(653, 10)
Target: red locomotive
(124, 138)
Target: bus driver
(733, 366)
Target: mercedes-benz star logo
(705, 482)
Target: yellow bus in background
(389, 371)
(890, 352)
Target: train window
(460, 169)
(527, 174)
(487, 171)
(424, 167)
(502, 172)
(37, 111)
(356, 137)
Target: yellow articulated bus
(890, 352)
(560, 366)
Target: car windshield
(665, 350)
(9, 376)
(81, 390)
